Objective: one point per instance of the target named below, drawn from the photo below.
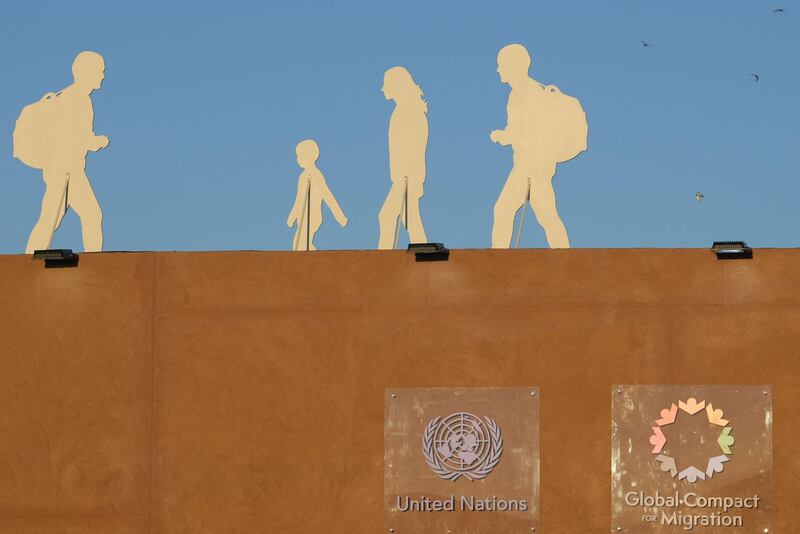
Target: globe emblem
(462, 444)
(462, 441)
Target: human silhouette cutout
(312, 190)
(408, 141)
(545, 127)
(54, 135)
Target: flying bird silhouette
(755, 76)
(779, 10)
(646, 44)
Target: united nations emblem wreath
(462, 445)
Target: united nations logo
(462, 444)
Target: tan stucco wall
(243, 391)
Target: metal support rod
(524, 209)
(403, 215)
(308, 216)
(60, 217)
(405, 205)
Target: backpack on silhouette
(35, 133)
(567, 132)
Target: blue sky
(205, 101)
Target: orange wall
(243, 391)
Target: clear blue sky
(205, 101)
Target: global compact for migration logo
(692, 473)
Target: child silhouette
(312, 190)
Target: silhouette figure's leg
(508, 203)
(416, 231)
(302, 232)
(298, 238)
(52, 204)
(543, 202)
(387, 218)
(316, 222)
(83, 201)
(63, 212)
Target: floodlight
(59, 257)
(429, 251)
(732, 250)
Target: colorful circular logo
(715, 464)
(462, 444)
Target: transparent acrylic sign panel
(691, 458)
(462, 460)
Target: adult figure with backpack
(545, 127)
(54, 135)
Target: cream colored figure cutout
(545, 127)
(408, 141)
(54, 135)
(312, 190)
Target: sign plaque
(691, 459)
(462, 460)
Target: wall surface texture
(244, 391)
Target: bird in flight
(646, 44)
(779, 10)
(698, 196)
(755, 76)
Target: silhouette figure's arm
(98, 142)
(86, 120)
(503, 137)
(302, 184)
(330, 200)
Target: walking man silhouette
(544, 127)
(61, 138)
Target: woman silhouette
(408, 141)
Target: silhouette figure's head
(398, 85)
(513, 63)
(89, 70)
(307, 153)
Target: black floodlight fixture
(429, 251)
(59, 257)
(732, 250)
